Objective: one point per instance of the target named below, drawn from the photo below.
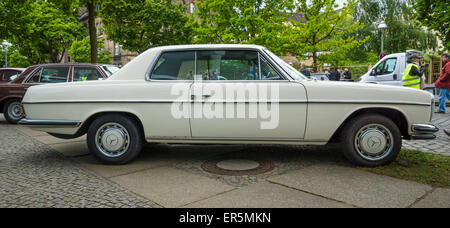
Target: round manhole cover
(237, 166)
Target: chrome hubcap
(15, 110)
(374, 142)
(112, 140)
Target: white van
(389, 70)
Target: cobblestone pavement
(441, 145)
(32, 175)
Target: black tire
(8, 108)
(377, 125)
(130, 152)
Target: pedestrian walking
(412, 77)
(305, 71)
(443, 83)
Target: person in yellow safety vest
(412, 77)
(83, 79)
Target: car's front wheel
(115, 139)
(371, 140)
(13, 111)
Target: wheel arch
(398, 117)
(85, 126)
(5, 100)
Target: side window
(267, 73)
(50, 75)
(8, 74)
(175, 66)
(380, 67)
(86, 74)
(390, 65)
(36, 77)
(227, 65)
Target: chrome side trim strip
(206, 101)
(368, 102)
(64, 123)
(236, 139)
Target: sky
(341, 3)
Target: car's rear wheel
(115, 139)
(371, 140)
(13, 111)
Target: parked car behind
(11, 94)
(201, 94)
(9, 74)
(320, 76)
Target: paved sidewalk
(441, 145)
(33, 174)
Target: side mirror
(373, 73)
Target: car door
(239, 95)
(168, 91)
(386, 71)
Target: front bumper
(424, 131)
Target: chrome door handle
(204, 96)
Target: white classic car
(228, 94)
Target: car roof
(66, 64)
(210, 46)
(12, 68)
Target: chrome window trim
(159, 53)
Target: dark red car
(9, 74)
(11, 94)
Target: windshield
(110, 70)
(286, 67)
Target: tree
(436, 15)
(142, 24)
(241, 21)
(72, 7)
(80, 52)
(45, 32)
(402, 33)
(322, 29)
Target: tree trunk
(92, 31)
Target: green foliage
(436, 15)
(323, 29)
(427, 168)
(241, 21)
(402, 33)
(142, 24)
(40, 30)
(15, 59)
(80, 51)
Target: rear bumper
(49, 123)
(424, 131)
